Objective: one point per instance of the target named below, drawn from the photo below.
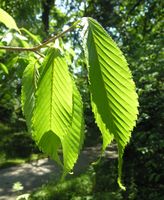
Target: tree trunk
(46, 7)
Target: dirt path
(33, 175)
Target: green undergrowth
(91, 185)
(16, 147)
(99, 183)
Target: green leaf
(53, 109)
(50, 144)
(113, 96)
(58, 113)
(73, 141)
(34, 37)
(4, 68)
(29, 84)
(107, 136)
(6, 19)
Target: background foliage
(137, 27)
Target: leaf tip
(122, 187)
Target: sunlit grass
(9, 162)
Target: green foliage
(11, 143)
(91, 185)
(8, 20)
(57, 98)
(77, 188)
(29, 82)
(52, 104)
(137, 28)
(113, 98)
(97, 183)
(4, 68)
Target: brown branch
(37, 47)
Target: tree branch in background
(42, 45)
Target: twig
(41, 55)
(37, 47)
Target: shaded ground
(33, 175)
